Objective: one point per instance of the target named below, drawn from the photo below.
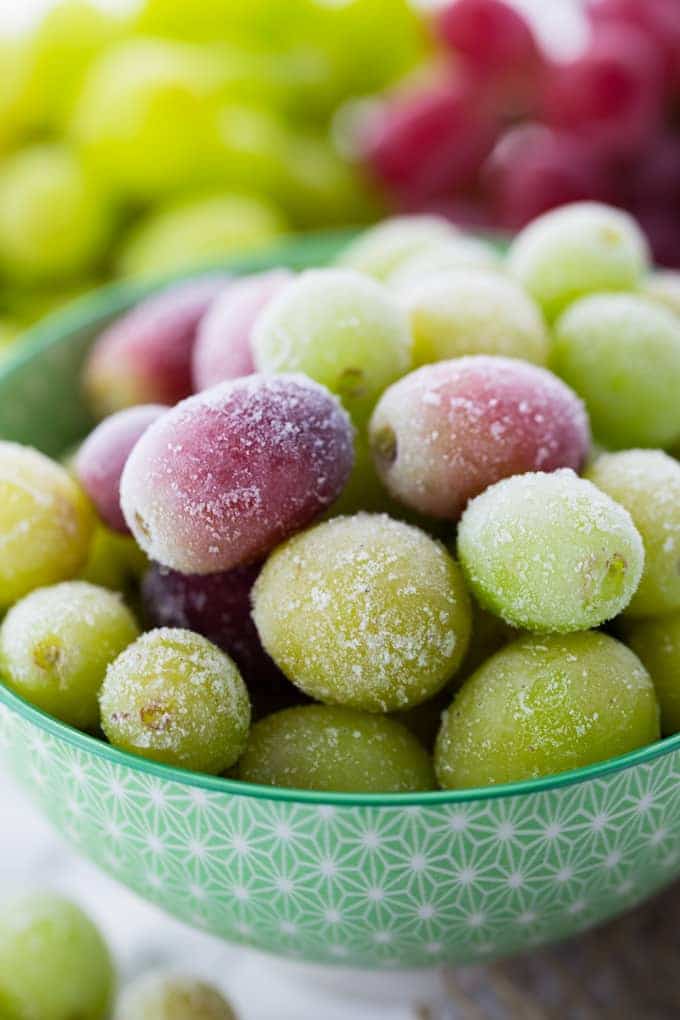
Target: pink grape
(429, 142)
(144, 357)
(444, 433)
(222, 350)
(658, 19)
(101, 459)
(610, 94)
(229, 473)
(534, 168)
(216, 606)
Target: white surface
(142, 938)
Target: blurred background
(138, 137)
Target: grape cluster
(500, 131)
(384, 551)
(43, 933)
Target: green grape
(29, 303)
(578, 249)
(252, 149)
(363, 611)
(664, 286)
(54, 964)
(544, 705)
(46, 523)
(550, 552)
(324, 747)
(473, 312)
(657, 643)
(452, 253)
(172, 997)
(263, 22)
(115, 562)
(489, 635)
(70, 35)
(647, 484)
(9, 332)
(174, 697)
(147, 118)
(424, 720)
(186, 234)
(56, 644)
(621, 353)
(340, 328)
(54, 223)
(381, 249)
(14, 67)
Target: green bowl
(371, 881)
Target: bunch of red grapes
(497, 131)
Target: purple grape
(101, 459)
(226, 475)
(222, 350)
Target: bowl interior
(41, 405)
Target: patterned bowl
(371, 881)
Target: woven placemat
(628, 970)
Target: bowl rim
(235, 787)
(115, 297)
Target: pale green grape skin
(324, 747)
(657, 643)
(115, 562)
(46, 522)
(191, 233)
(365, 612)
(341, 329)
(647, 484)
(578, 249)
(664, 286)
(550, 552)
(174, 697)
(621, 353)
(379, 251)
(56, 644)
(453, 253)
(476, 311)
(543, 705)
(54, 964)
(54, 222)
(160, 996)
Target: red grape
(658, 19)
(611, 94)
(222, 349)
(101, 459)
(533, 169)
(144, 357)
(229, 473)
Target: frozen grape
(174, 697)
(579, 249)
(657, 643)
(647, 484)
(621, 353)
(172, 997)
(365, 612)
(56, 644)
(461, 252)
(54, 964)
(101, 459)
(340, 328)
(227, 474)
(216, 606)
(222, 349)
(115, 561)
(46, 523)
(664, 286)
(489, 634)
(445, 432)
(323, 747)
(195, 232)
(550, 552)
(473, 312)
(377, 252)
(544, 705)
(54, 223)
(144, 357)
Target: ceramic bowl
(372, 881)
